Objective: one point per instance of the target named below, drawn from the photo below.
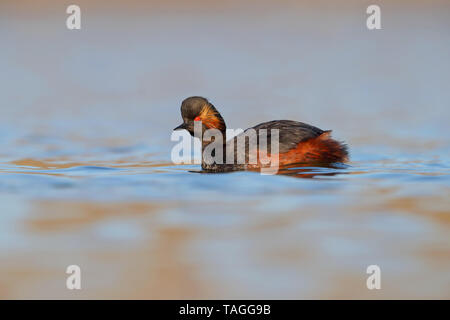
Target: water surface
(86, 176)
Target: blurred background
(85, 172)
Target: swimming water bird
(298, 143)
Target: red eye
(197, 118)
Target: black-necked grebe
(299, 143)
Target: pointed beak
(180, 127)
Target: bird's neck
(214, 153)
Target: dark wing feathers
(291, 133)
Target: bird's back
(298, 142)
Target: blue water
(86, 176)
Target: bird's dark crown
(197, 108)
